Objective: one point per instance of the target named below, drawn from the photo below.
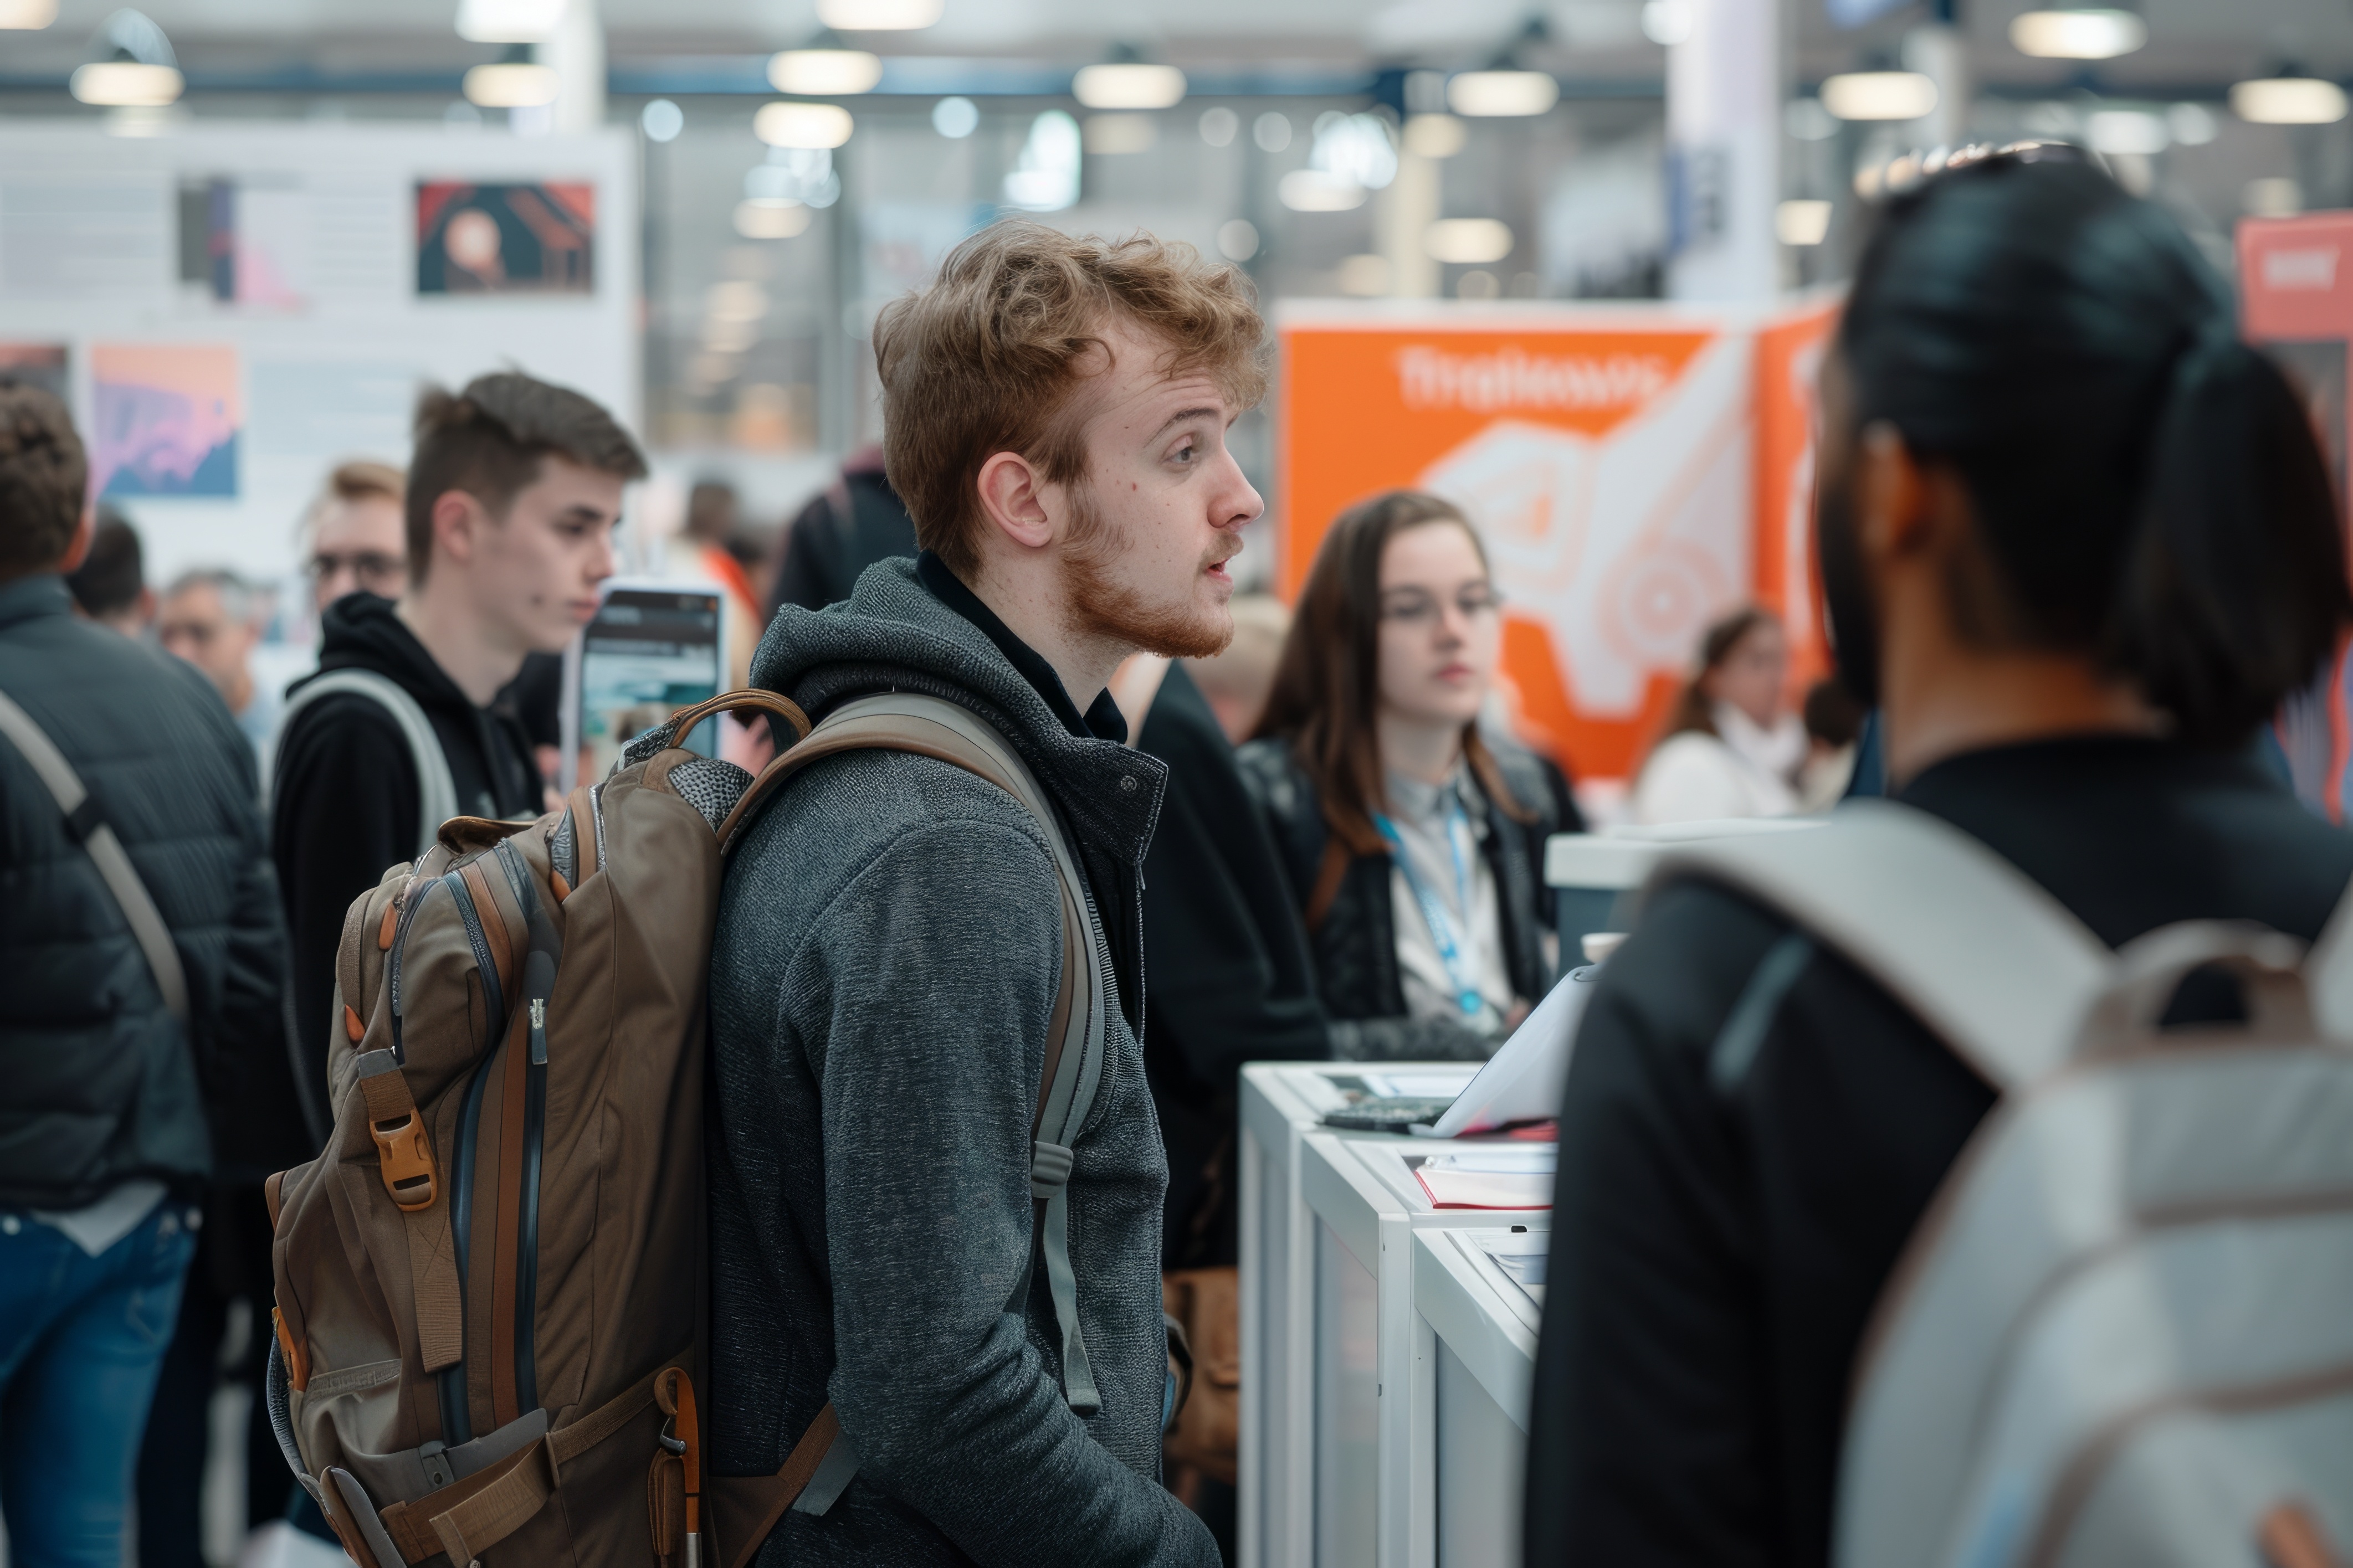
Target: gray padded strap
(436, 791)
(121, 878)
(2328, 973)
(2004, 972)
(1079, 1064)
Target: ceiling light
(736, 300)
(956, 118)
(877, 15)
(509, 21)
(662, 120)
(126, 84)
(28, 16)
(1219, 126)
(1808, 120)
(1129, 86)
(1435, 135)
(822, 73)
(2275, 195)
(770, 217)
(2193, 124)
(511, 86)
(1468, 240)
(1113, 135)
(1238, 239)
(1802, 222)
(1879, 95)
(1314, 191)
(2087, 34)
(1365, 276)
(2133, 130)
(808, 125)
(2288, 100)
(1499, 93)
(1667, 22)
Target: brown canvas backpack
(491, 1285)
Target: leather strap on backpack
(405, 1160)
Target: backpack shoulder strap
(823, 1462)
(436, 791)
(2001, 971)
(2328, 973)
(88, 827)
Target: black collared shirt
(1104, 720)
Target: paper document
(1522, 1081)
(1504, 1177)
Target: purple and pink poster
(166, 419)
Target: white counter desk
(1354, 1394)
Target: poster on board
(537, 238)
(165, 419)
(1633, 472)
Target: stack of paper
(1507, 1177)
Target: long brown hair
(1327, 684)
(1693, 710)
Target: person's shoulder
(1270, 768)
(1676, 978)
(846, 811)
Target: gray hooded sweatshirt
(888, 953)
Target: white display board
(231, 308)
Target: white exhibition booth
(1389, 1340)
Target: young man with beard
(889, 939)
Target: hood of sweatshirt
(893, 634)
(361, 631)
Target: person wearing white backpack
(2077, 543)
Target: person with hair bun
(2076, 543)
(1413, 848)
(1731, 746)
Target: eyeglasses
(367, 565)
(1419, 607)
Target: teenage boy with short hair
(889, 936)
(512, 494)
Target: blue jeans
(81, 1341)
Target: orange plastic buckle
(297, 1359)
(406, 1160)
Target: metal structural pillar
(576, 51)
(1723, 146)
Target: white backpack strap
(91, 830)
(2001, 971)
(436, 791)
(2328, 973)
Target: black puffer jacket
(98, 1085)
(1354, 944)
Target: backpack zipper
(493, 993)
(539, 980)
(457, 1421)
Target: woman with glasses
(2077, 543)
(1731, 746)
(1413, 845)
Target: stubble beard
(1103, 606)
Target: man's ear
(1891, 495)
(78, 547)
(1011, 501)
(458, 521)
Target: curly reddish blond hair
(990, 356)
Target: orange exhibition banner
(1635, 472)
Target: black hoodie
(345, 804)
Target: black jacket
(1715, 1254)
(1354, 944)
(1231, 980)
(343, 806)
(102, 1086)
(849, 526)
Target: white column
(1724, 143)
(1937, 51)
(577, 52)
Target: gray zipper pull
(539, 1031)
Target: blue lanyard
(1459, 970)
